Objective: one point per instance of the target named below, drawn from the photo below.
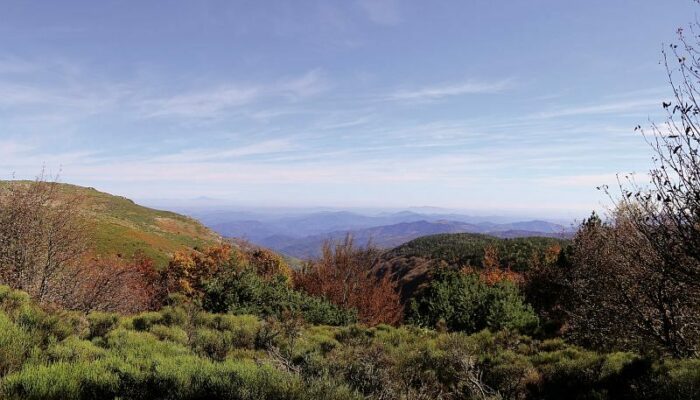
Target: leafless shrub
(41, 234)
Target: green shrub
(14, 345)
(14, 300)
(212, 343)
(182, 352)
(172, 333)
(136, 345)
(174, 316)
(101, 323)
(463, 302)
(182, 377)
(677, 379)
(74, 349)
(60, 381)
(144, 321)
(247, 293)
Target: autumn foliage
(188, 271)
(44, 251)
(344, 276)
(268, 264)
(492, 272)
(110, 284)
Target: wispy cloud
(382, 12)
(437, 92)
(10, 148)
(622, 106)
(265, 147)
(79, 97)
(214, 101)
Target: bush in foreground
(182, 352)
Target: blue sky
(519, 106)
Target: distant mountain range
(302, 235)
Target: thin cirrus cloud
(292, 138)
(219, 99)
(267, 147)
(84, 98)
(438, 92)
(622, 106)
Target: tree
(41, 234)
(637, 277)
(623, 295)
(545, 289)
(344, 275)
(188, 271)
(668, 212)
(492, 272)
(110, 284)
(268, 264)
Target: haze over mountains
(301, 233)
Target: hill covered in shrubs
(116, 226)
(413, 264)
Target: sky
(487, 105)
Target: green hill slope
(118, 226)
(412, 263)
(468, 249)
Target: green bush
(61, 380)
(212, 343)
(182, 352)
(14, 345)
(101, 323)
(247, 293)
(174, 334)
(164, 378)
(145, 321)
(676, 379)
(463, 302)
(74, 349)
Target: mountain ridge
(284, 238)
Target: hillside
(121, 227)
(468, 248)
(412, 263)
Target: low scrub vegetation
(183, 352)
(466, 302)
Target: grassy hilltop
(118, 226)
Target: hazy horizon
(210, 204)
(367, 104)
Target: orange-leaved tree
(268, 264)
(492, 272)
(188, 271)
(344, 275)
